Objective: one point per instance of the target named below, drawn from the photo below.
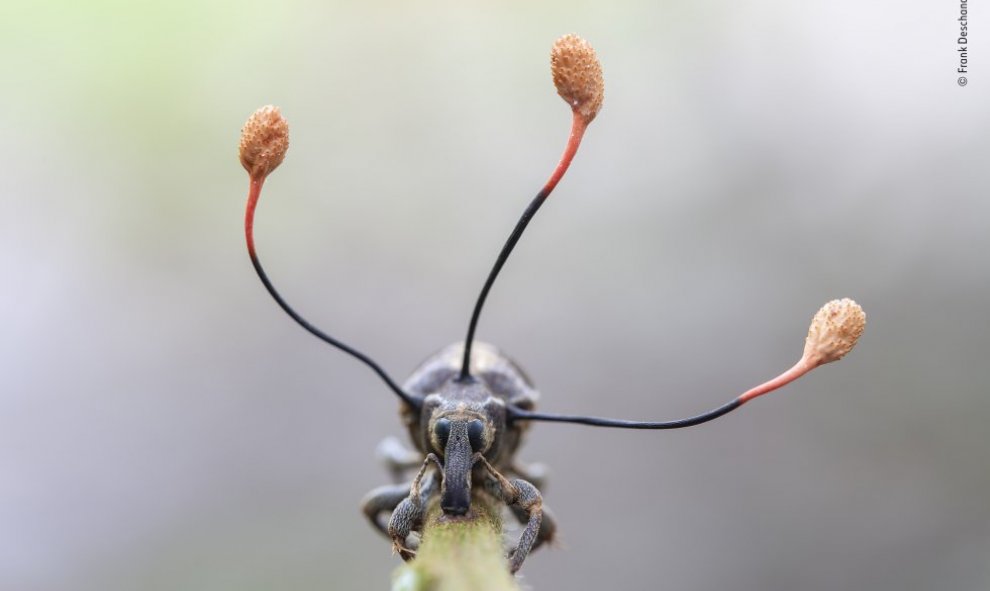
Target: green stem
(459, 553)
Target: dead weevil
(467, 407)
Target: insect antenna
(577, 74)
(264, 142)
(834, 331)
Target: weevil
(468, 407)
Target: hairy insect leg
(536, 473)
(398, 458)
(408, 515)
(382, 499)
(517, 494)
(548, 526)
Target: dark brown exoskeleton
(467, 407)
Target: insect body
(462, 429)
(467, 407)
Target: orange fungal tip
(834, 331)
(264, 142)
(577, 74)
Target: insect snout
(459, 440)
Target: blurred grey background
(164, 426)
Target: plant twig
(459, 553)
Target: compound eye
(442, 430)
(476, 435)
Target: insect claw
(407, 554)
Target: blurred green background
(164, 426)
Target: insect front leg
(548, 526)
(382, 499)
(408, 515)
(536, 473)
(521, 495)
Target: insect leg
(517, 493)
(548, 526)
(408, 515)
(381, 499)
